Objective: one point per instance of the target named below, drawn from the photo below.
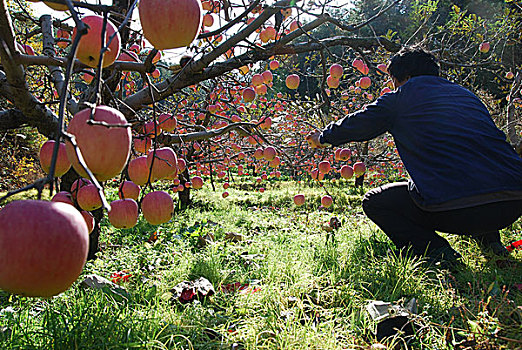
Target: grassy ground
(304, 291)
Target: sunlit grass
(310, 291)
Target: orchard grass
(308, 288)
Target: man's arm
(372, 121)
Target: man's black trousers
(393, 210)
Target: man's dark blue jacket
(455, 155)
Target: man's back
(451, 146)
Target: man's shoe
(444, 257)
(495, 248)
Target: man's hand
(313, 140)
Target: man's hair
(412, 62)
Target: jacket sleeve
(373, 120)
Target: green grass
(310, 293)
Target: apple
(257, 79)
(258, 154)
(267, 77)
(324, 167)
(332, 82)
(345, 154)
(89, 48)
(89, 220)
(294, 25)
(326, 201)
(167, 122)
(274, 65)
(337, 154)
(365, 82)
(225, 194)
(64, 197)
(150, 130)
(261, 89)
(208, 20)
(77, 184)
(62, 162)
(249, 94)
(157, 207)
(129, 56)
(346, 172)
(43, 247)
(88, 77)
(169, 24)
(484, 47)
(359, 168)
(274, 163)
(129, 189)
(138, 170)
(88, 198)
(358, 63)
(269, 153)
(123, 213)
(510, 75)
(104, 149)
(182, 165)
(266, 124)
(383, 68)
(336, 71)
(142, 144)
(165, 162)
(299, 199)
(292, 81)
(197, 182)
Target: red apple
(332, 82)
(64, 197)
(257, 79)
(484, 47)
(142, 144)
(104, 149)
(89, 220)
(43, 247)
(274, 65)
(267, 77)
(138, 170)
(269, 153)
(365, 82)
(88, 51)
(197, 182)
(274, 163)
(182, 165)
(336, 71)
(258, 154)
(292, 81)
(123, 213)
(165, 163)
(62, 162)
(88, 198)
(167, 122)
(346, 172)
(129, 189)
(326, 201)
(169, 24)
(345, 154)
(299, 199)
(249, 94)
(324, 167)
(77, 184)
(157, 207)
(359, 169)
